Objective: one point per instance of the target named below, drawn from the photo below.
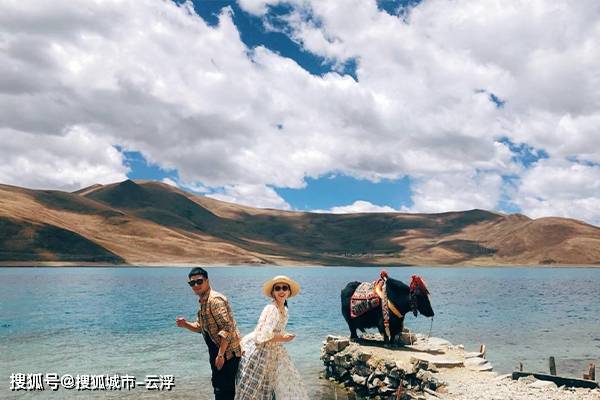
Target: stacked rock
(365, 376)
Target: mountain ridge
(148, 222)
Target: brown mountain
(149, 222)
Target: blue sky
(338, 105)
(330, 191)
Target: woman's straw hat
(294, 286)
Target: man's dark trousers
(223, 380)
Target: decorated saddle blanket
(364, 299)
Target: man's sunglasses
(196, 282)
(278, 288)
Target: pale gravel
(463, 385)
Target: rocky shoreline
(429, 368)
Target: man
(217, 325)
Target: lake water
(122, 320)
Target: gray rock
(359, 380)
(395, 373)
(473, 354)
(335, 345)
(385, 390)
(543, 385)
(362, 356)
(527, 379)
(438, 342)
(342, 344)
(486, 368)
(343, 375)
(448, 363)
(391, 382)
(371, 377)
(342, 361)
(331, 347)
(408, 338)
(424, 375)
(418, 363)
(362, 370)
(433, 383)
(475, 361)
(375, 384)
(478, 364)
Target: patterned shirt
(216, 320)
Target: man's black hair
(198, 271)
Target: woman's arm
(282, 338)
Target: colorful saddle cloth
(364, 299)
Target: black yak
(401, 299)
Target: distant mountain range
(146, 222)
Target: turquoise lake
(122, 320)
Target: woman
(266, 369)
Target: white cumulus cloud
(170, 182)
(359, 206)
(564, 189)
(456, 192)
(260, 196)
(68, 162)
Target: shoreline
(74, 264)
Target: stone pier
(367, 369)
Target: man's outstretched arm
(183, 323)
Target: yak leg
(386, 339)
(400, 341)
(397, 340)
(353, 334)
(393, 336)
(397, 335)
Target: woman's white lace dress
(266, 369)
